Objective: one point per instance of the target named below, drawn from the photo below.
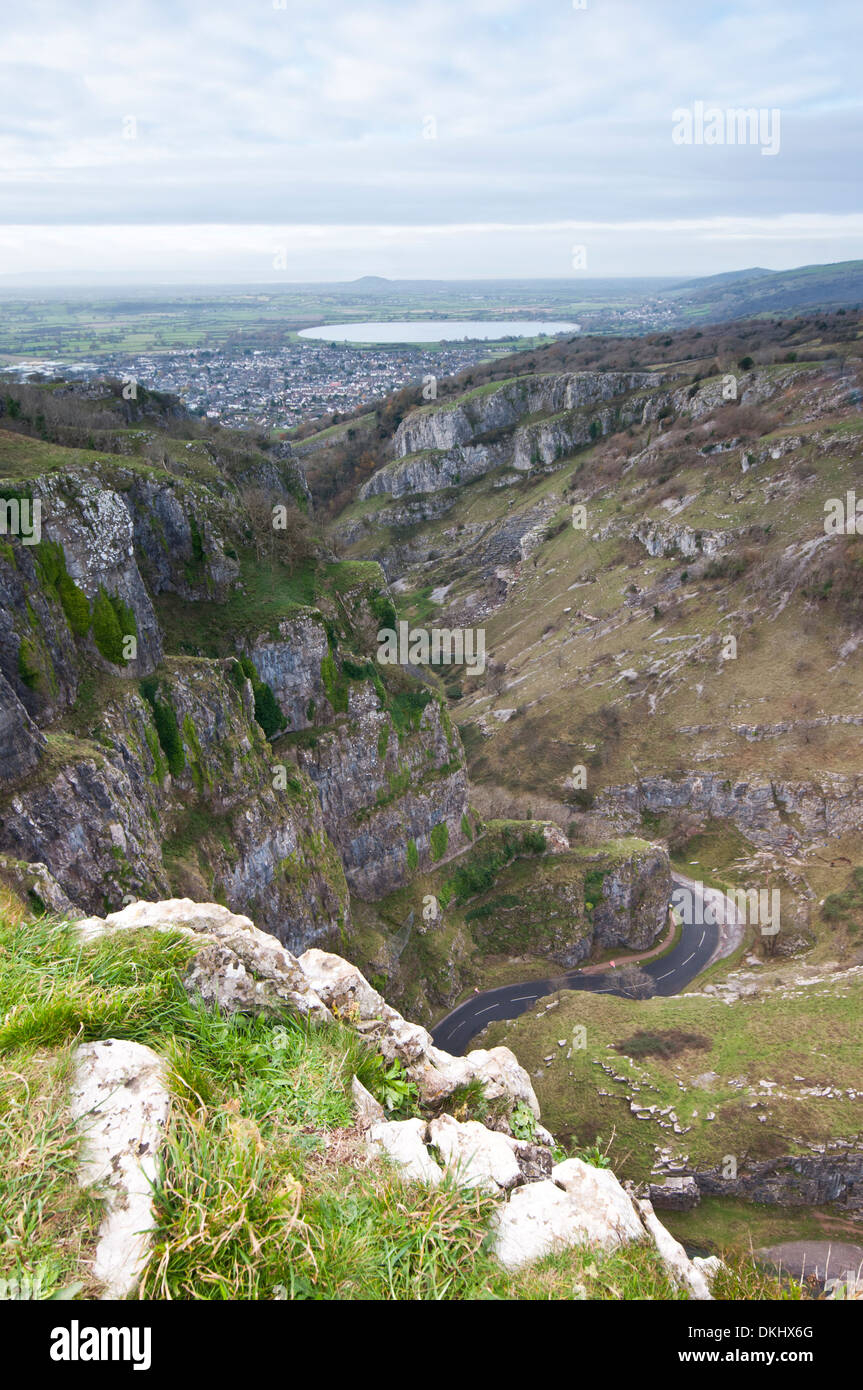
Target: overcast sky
(422, 138)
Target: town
(270, 389)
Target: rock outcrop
(774, 814)
(120, 1102)
(112, 822)
(441, 446)
(834, 1177)
(244, 970)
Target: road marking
(521, 998)
(701, 942)
(688, 958)
(666, 975)
(486, 1011)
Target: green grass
(778, 1037)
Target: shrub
(113, 620)
(335, 684)
(479, 874)
(51, 561)
(413, 855)
(267, 711)
(667, 1043)
(75, 604)
(165, 720)
(406, 708)
(29, 666)
(384, 610)
(439, 840)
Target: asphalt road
(671, 972)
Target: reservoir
(436, 330)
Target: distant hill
(748, 294)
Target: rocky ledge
(122, 1104)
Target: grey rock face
(442, 446)
(180, 547)
(666, 539)
(21, 743)
(633, 908)
(378, 788)
(291, 666)
(824, 809)
(675, 1194)
(795, 1180)
(446, 427)
(94, 526)
(375, 802)
(112, 824)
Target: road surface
(671, 972)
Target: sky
(200, 141)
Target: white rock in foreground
(683, 1271)
(583, 1205)
(120, 1103)
(476, 1156)
(405, 1143)
(367, 1110)
(606, 1216)
(345, 990)
(239, 967)
(537, 1220)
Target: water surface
(436, 330)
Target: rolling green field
(69, 324)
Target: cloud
(317, 114)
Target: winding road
(699, 942)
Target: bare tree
(634, 982)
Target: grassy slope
(563, 674)
(799, 1041)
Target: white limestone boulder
(474, 1155)
(605, 1214)
(120, 1103)
(367, 1110)
(497, 1068)
(538, 1220)
(683, 1271)
(404, 1141)
(346, 991)
(238, 967)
